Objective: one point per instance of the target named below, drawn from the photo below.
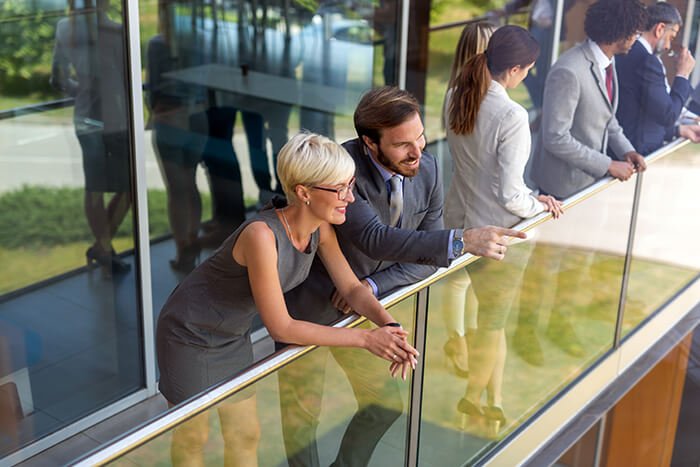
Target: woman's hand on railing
(403, 366)
(390, 343)
(551, 205)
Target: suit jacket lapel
(588, 53)
(376, 188)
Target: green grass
(43, 232)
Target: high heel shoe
(109, 262)
(468, 409)
(496, 419)
(187, 259)
(457, 355)
(119, 266)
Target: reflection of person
(174, 143)
(581, 94)
(489, 139)
(540, 25)
(460, 305)
(203, 333)
(649, 106)
(88, 64)
(578, 131)
(397, 217)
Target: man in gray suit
(579, 128)
(579, 133)
(393, 236)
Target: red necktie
(609, 81)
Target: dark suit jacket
(646, 111)
(391, 257)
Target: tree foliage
(26, 47)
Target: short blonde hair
(309, 159)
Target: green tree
(26, 46)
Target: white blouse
(487, 185)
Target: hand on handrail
(552, 205)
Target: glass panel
(533, 323)
(70, 336)
(226, 84)
(668, 194)
(337, 404)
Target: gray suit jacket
(578, 126)
(391, 257)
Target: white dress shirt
(601, 59)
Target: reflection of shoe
(457, 355)
(563, 336)
(109, 262)
(496, 419)
(527, 345)
(209, 226)
(119, 266)
(187, 259)
(469, 408)
(495, 413)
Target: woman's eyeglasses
(342, 192)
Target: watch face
(457, 246)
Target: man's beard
(660, 48)
(405, 171)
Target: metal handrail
(36, 108)
(150, 430)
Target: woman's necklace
(286, 224)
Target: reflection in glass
(70, 335)
(668, 188)
(225, 86)
(329, 407)
(569, 277)
(88, 65)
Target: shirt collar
(497, 87)
(386, 174)
(601, 59)
(645, 44)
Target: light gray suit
(372, 249)
(578, 125)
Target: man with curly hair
(579, 142)
(579, 128)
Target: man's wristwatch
(457, 243)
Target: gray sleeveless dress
(203, 332)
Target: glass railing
(535, 323)
(663, 259)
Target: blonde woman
(203, 334)
(460, 302)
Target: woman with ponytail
(489, 139)
(460, 307)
